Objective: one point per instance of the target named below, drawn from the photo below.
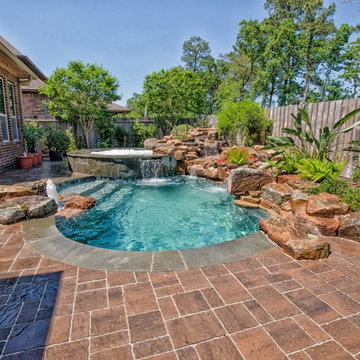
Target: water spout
(51, 191)
(150, 168)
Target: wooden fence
(125, 123)
(322, 114)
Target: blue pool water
(158, 214)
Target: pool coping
(43, 236)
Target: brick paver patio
(264, 307)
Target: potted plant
(57, 140)
(32, 133)
(24, 161)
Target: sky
(130, 38)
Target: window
(13, 111)
(3, 118)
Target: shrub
(32, 134)
(341, 188)
(244, 119)
(317, 170)
(237, 156)
(56, 139)
(183, 128)
(72, 144)
(106, 129)
(121, 135)
(142, 132)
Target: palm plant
(309, 144)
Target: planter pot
(55, 155)
(34, 159)
(39, 158)
(25, 162)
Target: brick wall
(33, 104)
(9, 149)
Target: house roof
(118, 109)
(21, 60)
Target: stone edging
(43, 237)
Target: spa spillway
(121, 163)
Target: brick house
(16, 70)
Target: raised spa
(121, 163)
(171, 213)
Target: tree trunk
(308, 71)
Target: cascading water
(210, 149)
(151, 168)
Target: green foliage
(106, 129)
(137, 106)
(245, 119)
(56, 139)
(171, 95)
(237, 156)
(121, 135)
(356, 170)
(81, 93)
(317, 170)
(182, 128)
(287, 162)
(32, 134)
(72, 143)
(310, 144)
(142, 132)
(341, 188)
(195, 51)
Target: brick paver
(267, 306)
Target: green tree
(137, 106)
(315, 25)
(195, 50)
(81, 93)
(174, 94)
(351, 71)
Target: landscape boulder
(80, 202)
(14, 191)
(326, 205)
(276, 193)
(350, 226)
(298, 201)
(150, 144)
(311, 248)
(11, 214)
(244, 179)
(196, 170)
(36, 206)
(297, 236)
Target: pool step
(84, 188)
(107, 189)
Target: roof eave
(19, 62)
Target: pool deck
(267, 306)
(263, 307)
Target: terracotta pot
(34, 159)
(25, 162)
(39, 158)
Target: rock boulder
(326, 205)
(80, 202)
(14, 191)
(350, 226)
(11, 214)
(276, 193)
(244, 179)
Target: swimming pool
(171, 213)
